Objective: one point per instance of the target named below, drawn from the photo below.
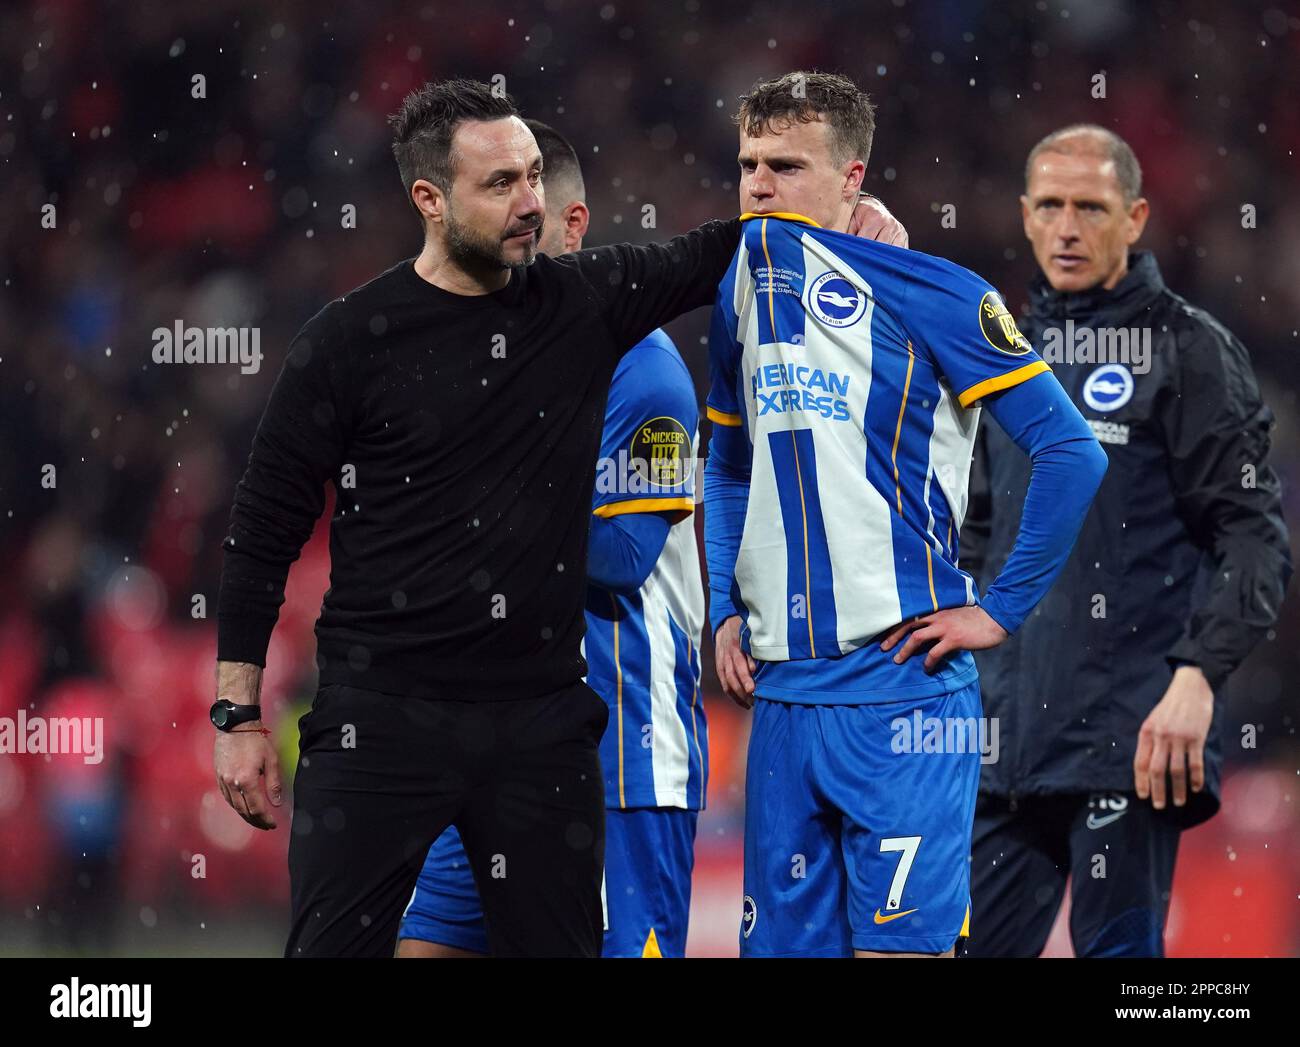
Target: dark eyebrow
(509, 172)
(1084, 202)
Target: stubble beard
(474, 252)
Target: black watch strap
(227, 715)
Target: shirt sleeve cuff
(1002, 381)
(994, 605)
(720, 609)
(681, 506)
(1186, 652)
(242, 638)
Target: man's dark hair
(805, 97)
(560, 166)
(424, 125)
(1086, 138)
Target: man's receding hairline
(463, 124)
(1107, 160)
(454, 153)
(1065, 145)
(1090, 140)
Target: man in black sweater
(456, 404)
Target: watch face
(220, 715)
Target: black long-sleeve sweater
(461, 435)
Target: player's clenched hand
(952, 629)
(872, 220)
(1172, 739)
(248, 773)
(735, 667)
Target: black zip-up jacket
(1183, 557)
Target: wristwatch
(227, 715)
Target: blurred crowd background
(226, 210)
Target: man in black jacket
(1105, 700)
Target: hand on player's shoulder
(872, 220)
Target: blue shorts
(858, 825)
(649, 857)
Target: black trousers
(379, 778)
(1118, 851)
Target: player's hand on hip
(949, 630)
(248, 773)
(872, 220)
(735, 667)
(1172, 739)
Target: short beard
(475, 253)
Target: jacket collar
(1134, 294)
